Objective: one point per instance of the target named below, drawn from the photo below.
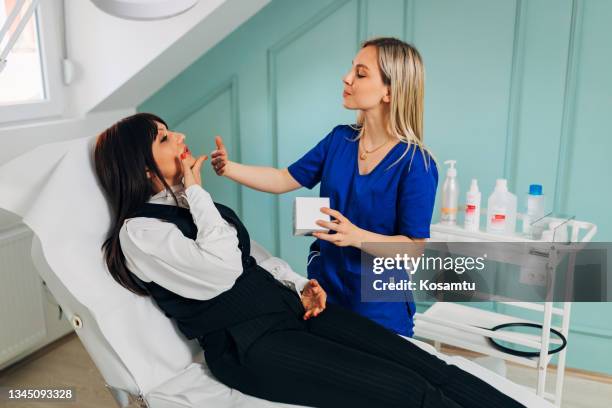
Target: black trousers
(341, 359)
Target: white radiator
(22, 317)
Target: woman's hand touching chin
(191, 168)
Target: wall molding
(271, 60)
(203, 100)
(569, 108)
(591, 331)
(362, 22)
(408, 20)
(515, 95)
(229, 85)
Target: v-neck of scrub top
(356, 156)
(363, 182)
(360, 186)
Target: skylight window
(22, 79)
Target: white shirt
(203, 268)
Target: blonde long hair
(402, 70)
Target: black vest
(256, 304)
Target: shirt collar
(164, 196)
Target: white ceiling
(120, 63)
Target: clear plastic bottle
(450, 195)
(472, 208)
(501, 209)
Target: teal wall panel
(546, 29)
(467, 48)
(385, 18)
(215, 114)
(295, 130)
(514, 88)
(588, 126)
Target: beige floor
(67, 364)
(580, 390)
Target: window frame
(51, 57)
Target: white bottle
(472, 207)
(501, 209)
(535, 210)
(450, 195)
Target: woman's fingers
(219, 143)
(330, 225)
(336, 214)
(183, 161)
(197, 168)
(218, 165)
(198, 163)
(216, 161)
(191, 174)
(313, 299)
(219, 157)
(218, 153)
(314, 311)
(327, 237)
(188, 177)
(317, 311)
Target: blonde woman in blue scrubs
(380, 178)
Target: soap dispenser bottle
(450, 195)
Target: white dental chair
(155, 369)
(139, 352)
(137, 349)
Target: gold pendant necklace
(364, 153)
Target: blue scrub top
(391, 201)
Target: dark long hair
(123, 153)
